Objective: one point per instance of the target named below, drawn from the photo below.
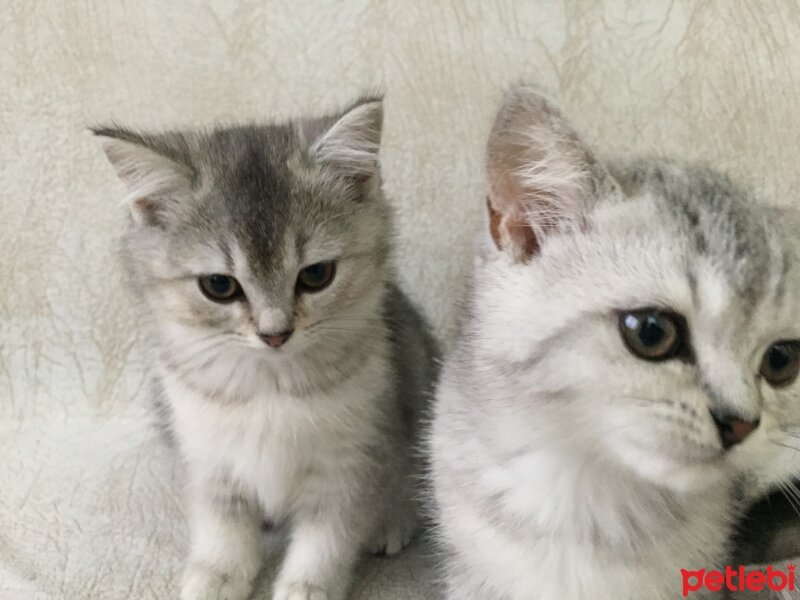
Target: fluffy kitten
(293, 368)
(625, 374)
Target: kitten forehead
(251, 188)
(710, 289)
(253, 195)
(206, 259)
(724, 225)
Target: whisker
(217, 343)
(787, 446)
(791, 496)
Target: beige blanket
(88, 504)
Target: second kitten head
(645, 310)
(270, 240)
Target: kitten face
(257, 244)
(266, 251)
(658, 238)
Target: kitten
(292, 366)
(624, 377)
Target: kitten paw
(200, 582)
(300, 590)
(393, 535)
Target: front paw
(200, 582)
(299, 590)
(394, 534)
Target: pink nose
(276, 340)
(733, 431)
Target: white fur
(310, 455)
(564, 467)
(269, 444)
(552, 473)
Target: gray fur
(563, 466)
(717, 213)
(331, 417)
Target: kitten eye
(220, 288)
(781, 363)
(316, 277)
(651, 334)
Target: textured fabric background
(88, 506)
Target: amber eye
(316, 277)
(781, 363)
(220, 288)
(652, 334)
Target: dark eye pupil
(220, 284)
(651, 332)
(315, 272)
(779, 358)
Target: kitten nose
(276, 340)
(733, 431)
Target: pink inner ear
(508, 222)
(511, 232)
(524, 238)
(146, 211)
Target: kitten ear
(541, 177)
(152, 179)
(350, 143)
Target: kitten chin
(623, 383)
(293, 370)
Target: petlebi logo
(738, 580)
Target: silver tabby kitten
(625, 376)
(293, 368)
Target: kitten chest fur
(277, 447)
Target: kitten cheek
(194, 310)
(307, 308)
(247, 330)
(249, 333)
(241, 321)
(176, 305)
(302, 320)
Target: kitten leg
(399, 521)
(225, 556)
(320, 557)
